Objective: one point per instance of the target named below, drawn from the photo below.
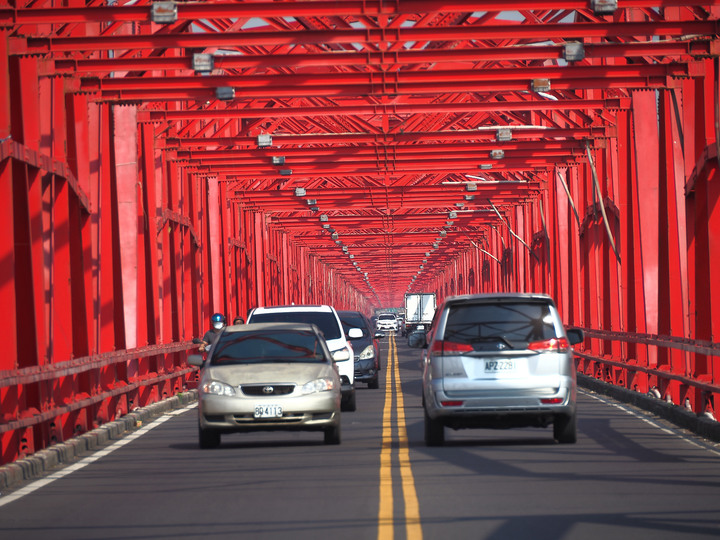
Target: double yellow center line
(386, 511)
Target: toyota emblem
(268, 389)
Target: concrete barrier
(701, 425)
(45, 461)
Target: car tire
(565, 429)
(332, 435)
(208, 438)
(374, 384)
(349, 404)
(434, 432)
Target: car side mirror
(195, 360)
(355, 333)
(417, 340)
(379, 335)
(575, 335)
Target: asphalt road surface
(628, 476)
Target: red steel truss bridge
(162, 161)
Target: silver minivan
(498, 361)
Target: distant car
(326, 319)
(367, 351)
(387, 322)
(498, 361)
(276, 376)
(401, 326)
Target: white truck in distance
(419, 311)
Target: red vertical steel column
(613, 316)
(559, 216)
(225, 234)
(124, 141)
(576, 281)
(150, 216)
(215, 239)
(672, 293)
(8, 329)
(109, 296)
(81, 246)
(706, 227)
(647, 144)
(627, 241)
(258, 240)
(9, 403)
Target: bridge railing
(678, 370)
(48, 404)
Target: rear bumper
(501, 408)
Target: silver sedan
(268, 376)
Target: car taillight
(553, 344)
(449, 347)
(551, 401)
(451, 403)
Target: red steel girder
(231, 10)
(282, 139)
(384, 109)
(418, 152)
(384, 59)
(410, 82)
(368, 36)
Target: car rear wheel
(434, 432)
(208, 438)
(332, 435)
(565, 429)
(348, 404)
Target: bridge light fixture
(497, 154)
(285, 172)
(503, 135)
(540, 85)
(300, 192)
(323, 217)
(573, 51)
(264, 140)
(452, 214)
(203, 63)
(471, 186)
(604, 7)
(164, 12)
(278, 160)
(225, 93)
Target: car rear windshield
(516, 324)
(251, 348)
(387, 317)
(324, 320)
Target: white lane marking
(34, 486)
(651, 422)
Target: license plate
(268, 411)
(499, 366)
